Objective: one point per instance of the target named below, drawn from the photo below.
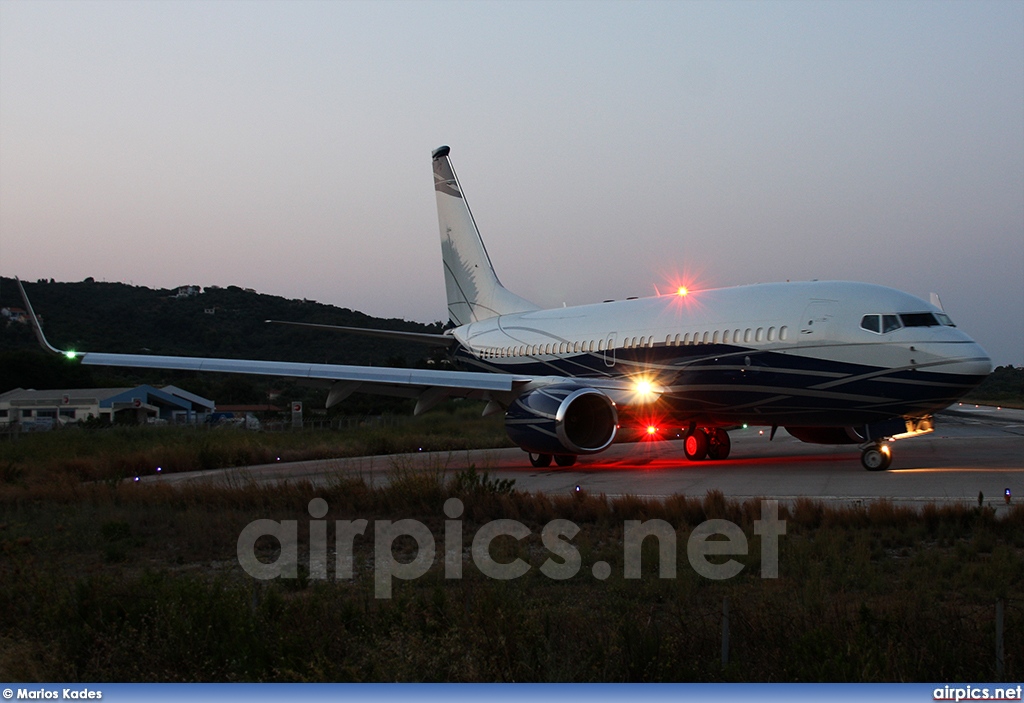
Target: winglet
(37, 328)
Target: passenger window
(771, 334)
(759, 336)
(704, 339)
(747, 336)
(783, 333)
(714, 337)
(890, 323)
(871, 323)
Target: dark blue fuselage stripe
(724, 384)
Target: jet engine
(562, 419)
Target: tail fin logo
(444, 178)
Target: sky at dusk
(606, 149)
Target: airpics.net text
(715, 537)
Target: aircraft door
(817, 320)
(609, 350)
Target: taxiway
(973, 452)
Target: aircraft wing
(389, 376)
(436, 340)
(429, 386)
(343, 380)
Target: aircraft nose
(975, 362)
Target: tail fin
(474, 291)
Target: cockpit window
(918, 319)
(880, 324)
(871, 323)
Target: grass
(140, 583)
(102, 579)
(121, 452)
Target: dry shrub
(807, 513)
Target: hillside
(218, 322)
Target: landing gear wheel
(719, 445)
(696, 445)
(876, 458)
(565, 459)
(540, 461)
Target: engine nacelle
(562, 419)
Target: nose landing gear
(876, 457)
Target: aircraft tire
(719, 445)
(540, 461)
(695, 446)
(565, 459)
(875, 459)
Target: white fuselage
(750, 345)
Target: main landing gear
(876, 457)
(542, 461)
(712, 443)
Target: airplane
(832, 362)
